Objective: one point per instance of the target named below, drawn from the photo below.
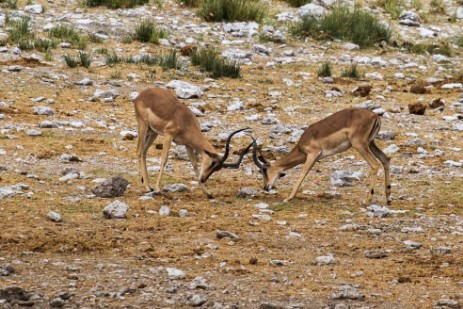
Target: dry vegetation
(91, 257)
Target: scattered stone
(247, 192)
(175, 187)
(33, 132)
(128, 135)
(262, 217)
(311, 10)
(85, 82)
(412, 230)
(6, 270)
(116, 209)
(164, 210)
(272, 306)
(440, 251)
(183, 213)
(43, 110)
(185, 90)
(175, 273)
(343, 178)
(225, 234)
(412, 244)
(198, 283)
(196, 300)
(47, 124)
(445, 302)
(57, 302)
(12, 294)
(417, 108)
(278, 262)
(106, 95)
(347, 292)
(33, 9)
(437, 104)
(112, 187)
(54, 216)
(325, 260)
(375, 254)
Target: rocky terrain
(78, 231)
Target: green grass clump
(147, 32)
(43, 45)
(9, 4)
(169, 61)
(83, 59)
(443, 48)
(191, 3)
(459, 41)
(351, 72)
(20, 31)
(112, 58)
(437, 7)
(232, 10)
(324, 70)
(209, 60)
(115, 4)
(354, 25)
(297, 3)
(66, 33)
(392, 7)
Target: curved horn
(238, 163)
(254, 154)
(227, 145)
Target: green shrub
(93, 38)
(48, 56)
(43, 45)
(191, 3)
(70, 61)
(209, 60)
(324, 70)
(459, 41)
(9, 4)
(20, 30)
(437, 7)
(148, 32)
(443, 48)
(112, 58)
(355, 25)
(66, 33)
(115, 4)
(297, 3)
(84, 58)
(351, 72)
(232, 10)
(393, 7)
(169, 61)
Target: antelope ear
(212, 155)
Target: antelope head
(213, 162)
(270, 173)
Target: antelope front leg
(192, 157)
(310, 161)
(164, 157)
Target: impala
(159, 112)
(337, 133)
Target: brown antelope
(337, 133)
(159, 112)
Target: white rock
(34, 9)
(452, 86)
(174, 273)
(164, 210)
(374, 76)
(325, 260)
(391, 149)
(311, 10)
(43, 110)
(116, 209)
(54, 216)
(351, 46)
(185, 90)
(235, 105)
(33, 132)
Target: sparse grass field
(111, 255)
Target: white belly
(338, 149)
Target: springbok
(159, 112)
(337, 133)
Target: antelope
(159, 112)
(337, 133)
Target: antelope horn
(254, 154)
(238, 163)
(227, 145)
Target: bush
(232, 10)
(437, 7)
(459, 41)
(43, 45)
(443, 48)
(357, 26)
(66, 33)
(191, 3)
(84, 59)
(148, 32)
(170, 61)
(209, 60)
(20, 30)
(9, 4)
(393, 7)
(297, 3)
(351, 72)
(324, 70)
(70, 61)
(115, 4)
(112, 58)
